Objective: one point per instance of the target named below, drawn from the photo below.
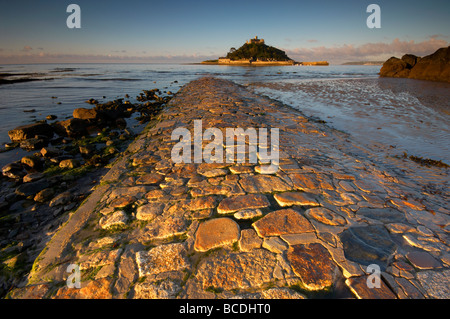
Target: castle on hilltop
(255, 40)
(256, 53)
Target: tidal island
(256, 53)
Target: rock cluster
(433, 67)
(222, 230)
(65, 159)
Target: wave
(113, 79)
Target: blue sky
(190, 30)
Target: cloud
(313, 41)
(27, 48)
(368, 51)
(434, 36)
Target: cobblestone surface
(316, 224)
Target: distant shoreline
(369, 63)
(266, 63)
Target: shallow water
(410, 115)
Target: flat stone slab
(281, 293)
(214, 172)
(263, 184)
(237, 270)
(436, 283)
(326, 216)
(385, 215)
(164, 227)
(166, 289)
(274, 244)
(163, 258)
(216, 232)
(367, 245)
(248, 214)
(295, 198)
(304, 238)
(280, 222)
(149, 211)
(235, 203)
(313, 264)
(304, 181)
(238, 169)
(116, 219)
(358, 285)
(100, 258)
(201, 203)
(249, 240)
(149, 179)
(423, 260)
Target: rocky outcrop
(395, 68)
(85, 114)
(433, 67)
(25, 132)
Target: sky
(166, 31)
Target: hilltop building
(255, 40)
(255, 52)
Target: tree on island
(257, 51)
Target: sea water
(409, 115)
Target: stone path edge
(53, 253)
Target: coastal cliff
(433, 67)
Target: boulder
(111, 111)
(49, 151)
(29, 131)
(69, 163)
(33, 143)
(44, 195)
(32, 188)
(86, 114)
(410, 59)
(87, 149)
(72, 127)
(32, 177)
(31, 161)
(116, 219)
(61, 199)
(433, 67)
(13, 170)
(395, 67)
